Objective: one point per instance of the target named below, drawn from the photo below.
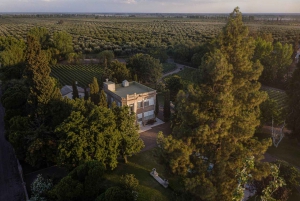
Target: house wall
(134, 99)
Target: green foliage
(87, 179)
(94, 91)
(270, 186)
(36, 73)
(119, 71)
(167, 67)
(167, 108)
(275, 59)
(217, 117)
(41, 34)
(174, 84)
(103, 99)
(159, 53)
(12, 57)
(39, 188)
(68, 189)
(269, 110)
(62, 41)
(106, 57)
(148, 69)
(129, 182)
(116, 193)
(176, 153)
(82, 138)
(130, 142)
(74, 90)
(293, 120)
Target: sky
(151, 6)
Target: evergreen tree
(156, 106)
(130, 138)
(86, 94)
(75, 91)
(174, 84)
(167, 109)
(94, 91)
(83, 138)
(103, 99)
(42, 87)
(293, 92)
(218, 116)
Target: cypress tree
(86, 94)
(37, 75)
(75, 91)
(103, 99)
(217, 117)
(156, 107)
(94, 91)
(167, 109)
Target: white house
(67, 91)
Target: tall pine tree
(37, 75)
(217, 117)
(94, 91)
(103, 99)
(75, 91)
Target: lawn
(276, 94)
(141, 165)
(187, 75)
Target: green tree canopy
(174, 84)
(62, 41)
(42, 35)
(293, 92)
(218, 116)
(130, 139)
(12, 57)
(94, 91)
(119, 71)
(106, 56)
(75, 90)
(148, 69)
(83, 138)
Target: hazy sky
(153, 6)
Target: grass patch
(187, 75)
(167, 67)
(141, 165)
(288, 149)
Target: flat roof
(133, 87)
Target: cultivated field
(83, 74)
(129, 35)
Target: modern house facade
(140, 98)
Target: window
(119, 104)
(151, 101)
(139, 104)
(146, 102)
(139, 117)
